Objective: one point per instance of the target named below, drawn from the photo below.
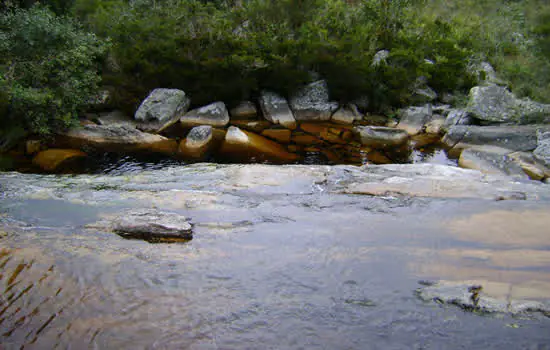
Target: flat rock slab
(491, 160)
(149, 225)
(381, 137)
(471, 297)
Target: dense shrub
(49, 69)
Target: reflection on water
(274, 263)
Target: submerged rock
(53, 159)
(276, 110)
(162, 106)
(312, 103)
(153, 226)
(471, 297)
(199, 143)
(380, 136)
(245, 145)
(214, 114)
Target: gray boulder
(484, 73)
(542, 151)
(153, 226)
(116, 118)
(162, 106)
(245, 110)
(381, 136)
(312, 102)
(515, 138)
(199, 143)
(456, 117)
(471, 297)
(413, 119)
(276, 110)
(380, 58)
(530, 165)
(214, 114)
(495, 104)
(346, 115)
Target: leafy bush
(49, 69)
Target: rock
(199, 143)
(380, 136)
(437, 181)
(275, 109)
(161, 107)
(116, 139)
(346, 115)
(515, 138)
(495, 104)
(214, 114)
(485, 74)
(33, 146)
(332, 133)
(249, 146)
(280, 135)
(542, 151)
(413, 119)
(533, 167)
(436, 125)
(153, 226)
(380, 58)
(312, 103)
(305, 139)
(471, 297)
(254, 126)
(53, 159)
(116, 118)
(491, 160)
(245, 110)
(456, 117)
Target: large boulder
(530, 165)
(275, 109)
(515, 138)
(495, 104)
(53, 159)
(199, 143)
(380, 136)
(346, 115)
(491, 160)
(456, 117)
(214, 114)
(161, 107)
(244, 145)
(312, 103)
(116, 118)
(413, 119)
(115, 139)
(542, 151)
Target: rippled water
(275, 263)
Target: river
(280, 259)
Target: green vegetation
(232, 49)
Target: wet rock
(153, 226)
(495, 104)
(245, 145)
(279, 135)
(214, 114)
(53, 159)
(491, 160)
(436, 125)
(162, 106)
(530, 165)
(471, 297)
(33, 146)
(332, 133)
(542, 151)
(312, 103)
(515, 138)
(380, 136)
(199, 143)
(245, 110)
(346, 115)
(439, 181)
(413, 119)
(305, 139)
(276, 110)
(116, 139)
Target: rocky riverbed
(293, 256)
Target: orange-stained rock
(256, 126)
(306, 140)
(317, 128)
(245, 145)
(200, 142)
(52, 159)
(421, 140)
(332, 156)
(280, 135)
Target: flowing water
(278, 261)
